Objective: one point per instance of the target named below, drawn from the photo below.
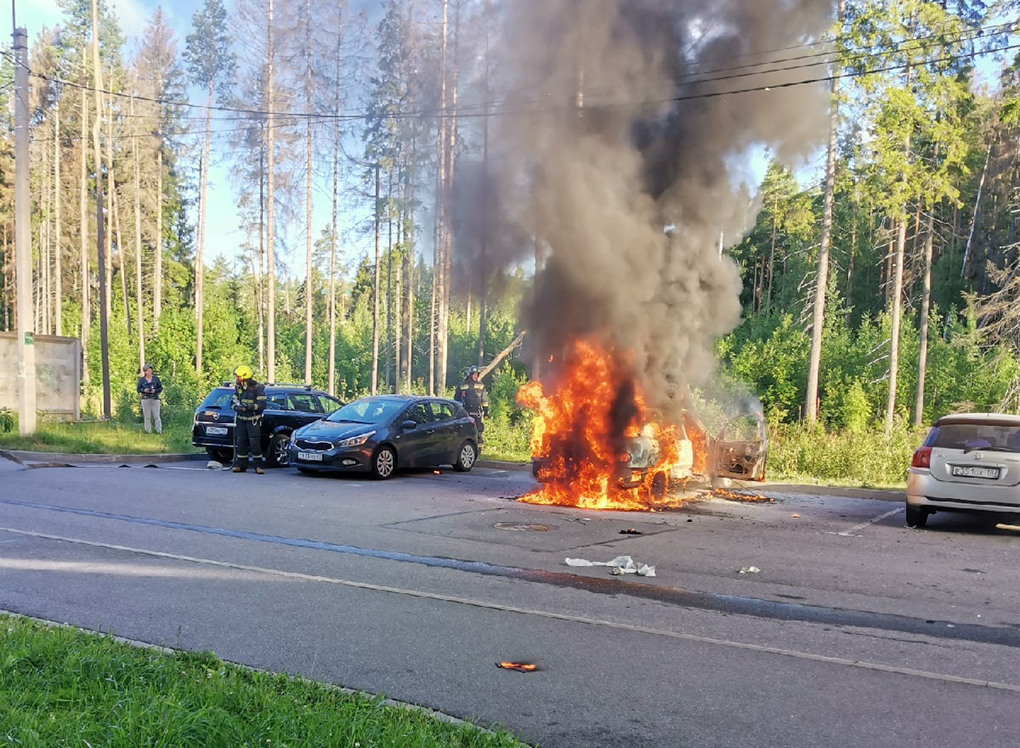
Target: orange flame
(580, 438)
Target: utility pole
(23, 239)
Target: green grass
(106, 437)
(60, 686)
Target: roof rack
(289, 384)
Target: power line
(825, 58)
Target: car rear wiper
(988, 449)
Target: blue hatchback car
(383, 433)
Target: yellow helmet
(243, 372)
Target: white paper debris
(750, 570)
(619, 565)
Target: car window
(418, 413)
(442, 411)
(975, 436)
(304, 402)
(329, 404)
(367, 410)
(218, 399)
(277, 401)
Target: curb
(498, 465)
(841, 491)
(61, 458)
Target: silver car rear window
(974, 436)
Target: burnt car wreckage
(700, 459)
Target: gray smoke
(597, 174)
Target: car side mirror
(408, 425)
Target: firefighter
(248, 403)
(472, 395)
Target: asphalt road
(855, 631)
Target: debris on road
(631, 531)
(795, 516)
(213, 465)
(619, 565)
(520, 667)
(750, 570)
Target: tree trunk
(922, 352)
(376, 289)
(438, 374)
(138, 245)
(115, 207)
(102, 236)
(772, 255)
(389, 280)
(157, 273)
(333, 234)
(894, 334)
(83, 242)
(822, 281)
(58, 251)
(270, 235)
(308, 193)
(261, 274)
(200, 239)
(398, 299)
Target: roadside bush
(862, 457)
(8, 421)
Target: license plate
(310, 456)
(216, 430)
(968, 471)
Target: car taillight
(921, 458)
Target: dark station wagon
(288, 407)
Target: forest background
(354, 133)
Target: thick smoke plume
(606, 135)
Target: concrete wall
(57, 374)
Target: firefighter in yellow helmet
(248, 403)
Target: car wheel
(659, 485)
(220, 455)
(279, 451)
(384, 464)
(466, 457)
(916, 517)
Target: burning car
(596, 445)
(661, 460)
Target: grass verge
(60, 686)
(101, 437)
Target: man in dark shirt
(248, 403)
(149, 388)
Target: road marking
(568, 618)
(853, 530)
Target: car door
(416, 438)
(449, 431)
(740, 449)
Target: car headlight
(355, 441)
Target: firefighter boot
(259, 470)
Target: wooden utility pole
(23, 239)
(270, 194)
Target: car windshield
(369, 410)
(974, 436)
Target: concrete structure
(57, 374)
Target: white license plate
(216, 430)
(310, 456)
(968, 471)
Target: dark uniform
(472, 395)
(248, 403)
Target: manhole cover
(521, 527)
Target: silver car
(968, 462)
